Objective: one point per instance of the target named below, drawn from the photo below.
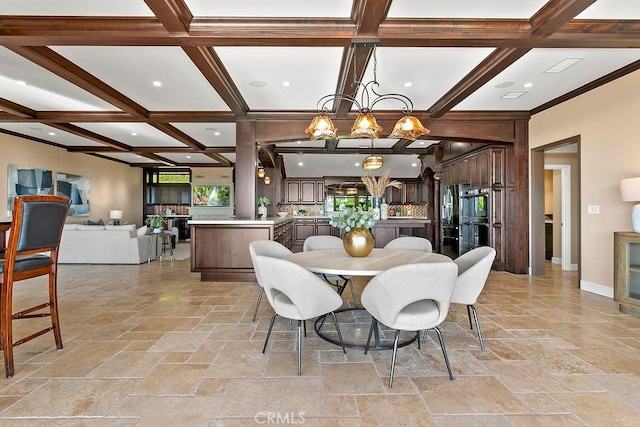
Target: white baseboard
(605, 291)
(557, 260)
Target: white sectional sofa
(104, 244)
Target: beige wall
(607, 121)
(113, 185)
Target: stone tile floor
(152, 345)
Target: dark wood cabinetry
(283, 233)
(548, 240)
(306, 227)
(304, 191)
(410, 191)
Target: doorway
(564, 158)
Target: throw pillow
(141, 231)
(100, 222)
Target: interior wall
(606, 119)
(548, 192)
(113, 185)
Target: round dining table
(355, 320)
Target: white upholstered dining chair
(473, 270)
(296, 293)
(268, 248)
(410, 243)
(316, 243)
(412, 297)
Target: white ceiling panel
(32, 86)
(145, 135)
(132, 71)
(48, 133)
(431, 72)
(182, 158)
(320, 165)
(612, 9)
(75, 7)
(302, 144)
(229, 156)
(422, 143)
(129, 157)
(271, 9)
(210, 134)
(464, 8)
(545, 87)
(259, 73)
(365, 143)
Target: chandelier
(365, 126)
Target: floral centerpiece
(356, 222)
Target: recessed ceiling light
(286, 84)
(134, 134)
(21, 82)
(138, 156)
(506, 84)
(408, 84)
(357, 164)
(421, 142)
(300, 164)
(34, 128)
(157, 83)
(528, 84)
(513, 94)
(188, 157)
(257, 83)
(298, 142)
(563, 65)
(52, 133)
(216, 133)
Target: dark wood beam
(427, 32)
(84, 133)
(174, 15)
(555, 14)
(214, 71)
(59, 65)
(160, 159)
(16, 110)
(354, 62)
(177, 134)
(369, 14)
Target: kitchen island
(220, 248)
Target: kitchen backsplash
(417, 210)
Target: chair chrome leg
(469, 314)
(373, 325)
(266, 341)
(299, 348)
(255, 312)
(393, 357)
(475, 318)
(444, 352)
(335, 320)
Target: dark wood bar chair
(32, 251)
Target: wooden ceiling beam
(216, 74)
(555, 14)
(174, 15)
(59, 65)
(178, 135)
(16, 110)
(84, 133)
(354, 62)
(369, 14)
(427, 32)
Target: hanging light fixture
(372, 162)
(267, 180)
(261, 172)
(365, 126)
(351, 191)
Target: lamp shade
(630, 192)
(408, 127)
(115, 214)
(321, 127)
(365, 126)
(372, 163)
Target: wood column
(246, 163)
(518, 201)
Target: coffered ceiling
(163, 82)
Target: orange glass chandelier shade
(321, 128)
(408, 127)
(351, 191)
(267, 180)
(260, 172)
(372, 163)
(365, 126)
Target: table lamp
(630, 192)
(116, 216)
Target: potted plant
(355, 222)
(263, 202)
(156, 222)
(377, 188)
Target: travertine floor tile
(397, 410)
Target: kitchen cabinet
(626, 260)
(283, 233)
(304, 191)
(410, 192)
(393, 196)
(306, 227)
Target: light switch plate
(593, 209)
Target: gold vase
(358, 242)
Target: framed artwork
(27, 180)
(78, 189)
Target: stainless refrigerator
(450, 220)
